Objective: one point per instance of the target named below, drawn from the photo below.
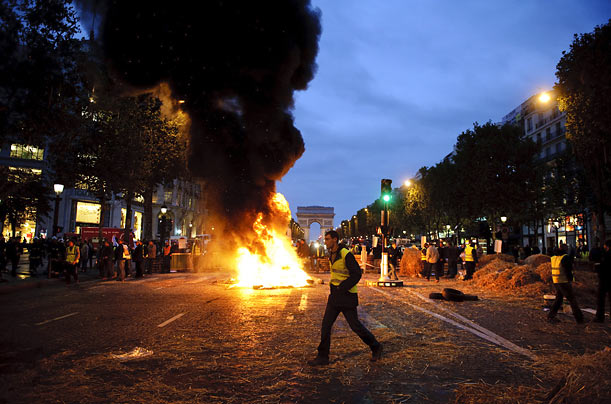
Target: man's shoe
(319, 361)
(376, 353)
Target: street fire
(275, 264)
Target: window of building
(88, 212)
(548, 152)
(539, 138)
(167, 197)
(548, 134)
(558, 129)
(529, 124)
(155, 197)
(22, 151)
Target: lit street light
(544, 97)
(58, 188)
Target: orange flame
(278, 265)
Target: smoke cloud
(236, 65)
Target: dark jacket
(106, 253)
(394, 253)
(138, 254)
(340, 295)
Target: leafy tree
(37, 70)
(496, 166)
(23, 196)
(584, 83)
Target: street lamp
(163, 225)
(58, 188)
(408, 183)
(503, 219)
(545, 97)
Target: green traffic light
(386, 198)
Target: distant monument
(323, 215)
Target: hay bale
(586, 381)
(487, 258)
(523, 275)
(411, 264)
(545, 272)
(537, 259)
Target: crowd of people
(113, 259)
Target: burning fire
(279, 265)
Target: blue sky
(398, 81)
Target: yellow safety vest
(469, 253)
(71, 253)
(423, 254)
(339, 271)
(558, 272)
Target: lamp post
(58, 188)
(163, 225)
(556, 226)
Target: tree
(23, 196)
(496, 166)
(38, 89)
(583, 87)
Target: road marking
(176, 317)
(369, 320)
(158, 288)
(304, 302)
(473, 328)
(57, 318)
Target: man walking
(452, 256)
(562, 277)
(345, 274)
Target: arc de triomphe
(323, 215)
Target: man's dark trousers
(350, 313)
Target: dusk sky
(399, 80)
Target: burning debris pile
(233, 67)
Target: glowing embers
(275, 264)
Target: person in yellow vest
(72, 258)
(345, 275)
(470, 260)
(423, 260)
(562, 277)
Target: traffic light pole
(384, 227)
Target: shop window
(26, 152)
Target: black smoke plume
(236, 64)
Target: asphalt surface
(183, 337)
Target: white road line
(592, 311)
(158, 288)
(56, 318)
(370, 320)
(176, 317)
(501, 341)
(304, 302)
(476, 329)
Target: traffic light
(386, 190)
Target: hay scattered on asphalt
(503, 276)
(537, 259)
(485, 259)
(586, 380)
(545, 272)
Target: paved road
(193, 338)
